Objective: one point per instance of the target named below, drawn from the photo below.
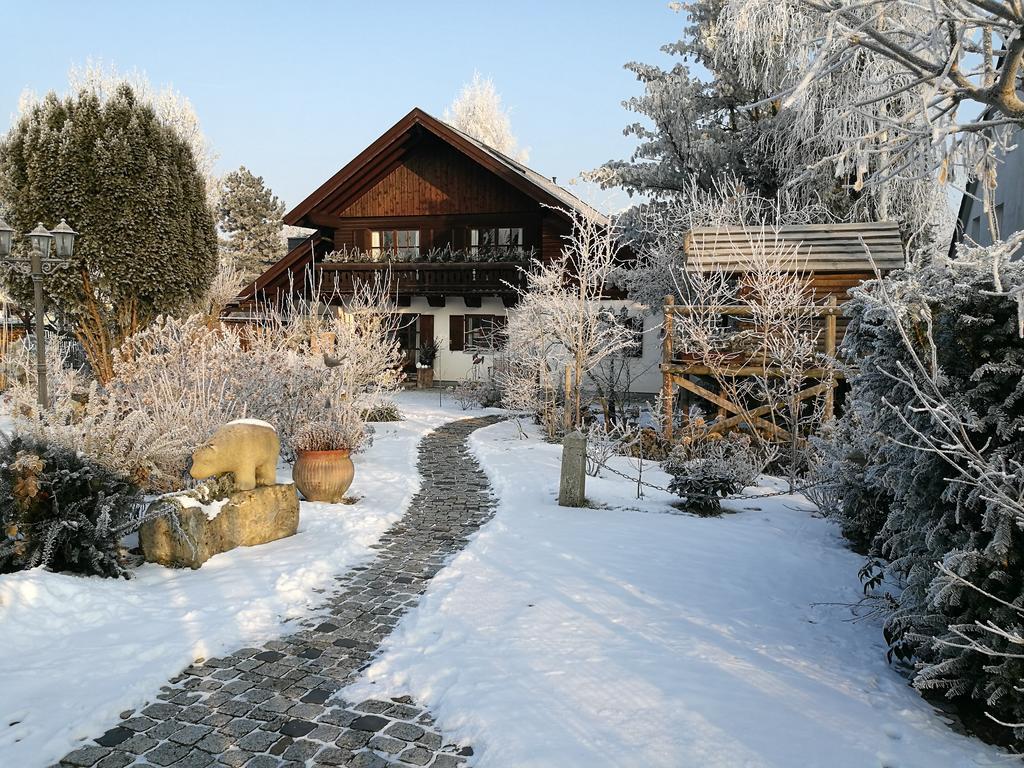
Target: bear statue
(247, 448)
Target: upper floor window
(491, 241)
(398, 243)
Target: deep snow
(78, 651)
(625, 636)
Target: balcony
(476, 254)
(424, 278)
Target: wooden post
(830, 350)
(572, 485)
(668, 393)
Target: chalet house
(454, 221)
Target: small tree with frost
(563, 323)
(478, 111)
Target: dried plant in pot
(323, 469)
(425, 364)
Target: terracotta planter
(424, 378)
(323, 475)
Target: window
(400, 244)
(635, 325)
(484, 333)
(636, 344)
(496, 242)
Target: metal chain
(731, 496)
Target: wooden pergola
(832, 259)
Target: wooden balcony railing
(426, 279)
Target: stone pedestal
(263, 514)
(572, 488)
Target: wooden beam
(761, 410)
(732, 407)
(683, 369)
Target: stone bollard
(573, 486)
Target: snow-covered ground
(77, 651)
(622, 636)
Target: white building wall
(455, 366)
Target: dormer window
(400, 244)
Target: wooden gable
(436, 179)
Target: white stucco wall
(455, 366)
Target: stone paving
(275, 705)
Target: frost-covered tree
(927, 460)
(478, 111)
(886, 80)
(563, 326)
(129, 184)
(693, 129)
(250, 215)
(172, 108)
(717, 149)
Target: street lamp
(39, 264)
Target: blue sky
(294, 90)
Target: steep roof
(373, 163)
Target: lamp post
(39, 264)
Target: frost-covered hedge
(916, 508)
(62, 511)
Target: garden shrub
(703, 483)
(62, 511)
(707, 467)
(177, 381)
(479, 393)
(386, 410)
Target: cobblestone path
(273, 706)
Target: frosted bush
(177, 381)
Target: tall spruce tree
(129, 184)
(250, 215)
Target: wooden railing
(427, 279)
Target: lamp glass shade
(41, 239)
(6, 233)
(64, 239)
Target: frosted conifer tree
(172, 108)
(927, 462)
(250, 215)
(478, 111)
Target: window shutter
(456, 333)
(426, 328)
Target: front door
(407, 338)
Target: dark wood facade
(423, 182)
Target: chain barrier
(731, 496)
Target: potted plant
(323, 468)
(425, 364)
